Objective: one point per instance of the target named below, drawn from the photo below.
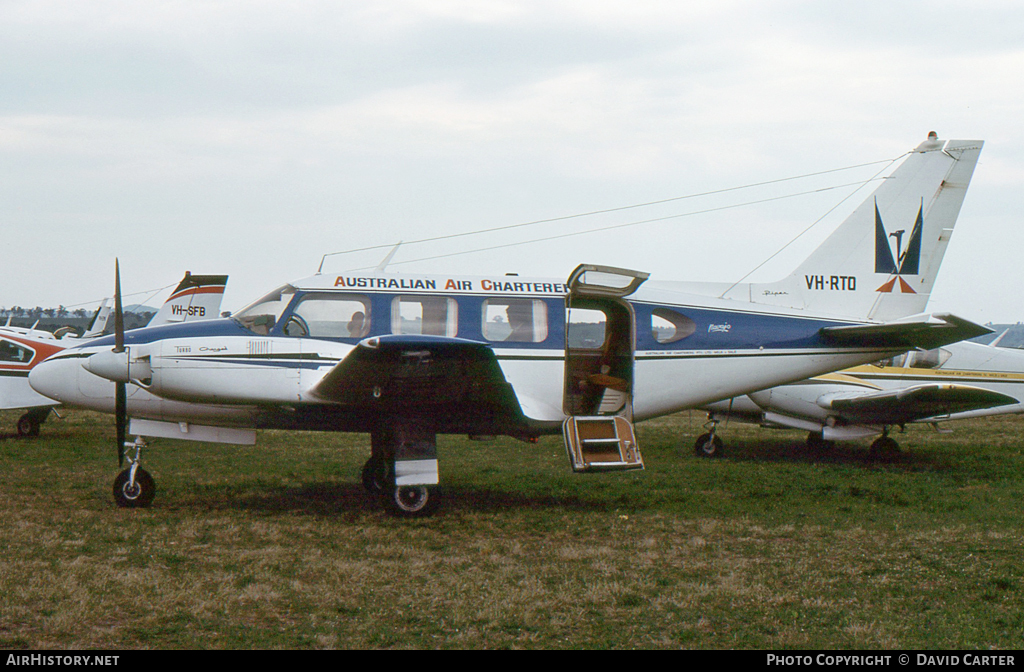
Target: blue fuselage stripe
(713, 329)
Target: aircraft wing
(909, 404)
(449, 382)
(918, 331)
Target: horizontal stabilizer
(919, 331)
(909, 404)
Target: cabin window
(587, 329)
(12, 352)
(260, 316)
(330, 316)
(668, 326)
(515, 320)
(429, 315)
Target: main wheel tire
(28, 425)
(884, 448)
(141, 495)
(708, 445)
(409, 500)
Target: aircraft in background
(958, 381)
(407, 357)
(196, 297)
(97, 325)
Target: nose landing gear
(134, 487)
(708, 444)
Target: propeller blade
(121, 392)
(121, 415)
(118, 312)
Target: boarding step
(601, 443)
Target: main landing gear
(28, 424)
(134, 487)
(402, 464)
(402, 500)
(884, 448)
(817, 443)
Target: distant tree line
(51, 319)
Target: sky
(251, 138)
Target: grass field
(277, 545)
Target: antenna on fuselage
(387, 260)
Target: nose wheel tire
(708, 445)
(131, 496)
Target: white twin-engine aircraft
(962, 380)
(197, 297)
(407, 357)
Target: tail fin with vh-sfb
(881, 263)
(197, 297)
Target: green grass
(277, 545)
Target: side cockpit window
(668, 326)
(919, 359)
(927, 359)
(330, 316)
(14, 353)
(262, 315)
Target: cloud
(286, 130)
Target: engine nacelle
(120, 367)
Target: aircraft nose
(53, 378)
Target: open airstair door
(600, 344)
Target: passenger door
(599, 356)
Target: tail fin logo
(906, 261)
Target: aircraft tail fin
(881, 263)
(99, 321)
(197, 297)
